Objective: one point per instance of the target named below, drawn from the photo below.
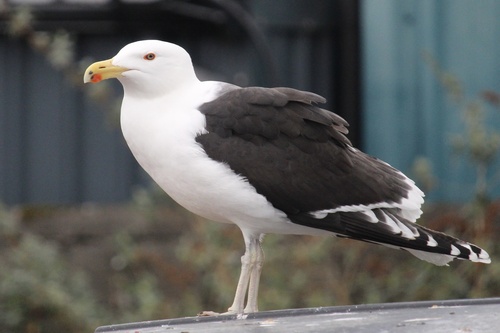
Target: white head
(146, 68)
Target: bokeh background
(87, 239)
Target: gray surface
(476, 315)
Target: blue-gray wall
(406, 111)
(57, 146)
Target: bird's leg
(241, 289)
(256, 268)
(251, 267)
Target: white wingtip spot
(432, 243)
(482, 257)
(371, 216)
(400, 228)
(320, 214)
(454, 250)
(386, 219)
(405, 231)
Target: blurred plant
(59, 50)
(57, 47)
(38, 291)
(304, 271)
(146, 199)
(135, 291)
(480, 144)
(423, 174)
(20, 23)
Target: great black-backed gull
(269, 160)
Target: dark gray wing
(297, 156)
(293, 152)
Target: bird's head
(145, 67)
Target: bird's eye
(150, 56)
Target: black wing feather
(293, 152)
(354, 225)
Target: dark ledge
(470, 315)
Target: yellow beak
(102, 70)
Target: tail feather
(388, 227)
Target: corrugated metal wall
(58, 146)
(406, 111)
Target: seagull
(269, 160)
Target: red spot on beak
(96, 78)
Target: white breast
(162, 140)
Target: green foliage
(305, 271)
(38, 293)
(135, 291)
(41, 292)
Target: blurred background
(87, 239)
